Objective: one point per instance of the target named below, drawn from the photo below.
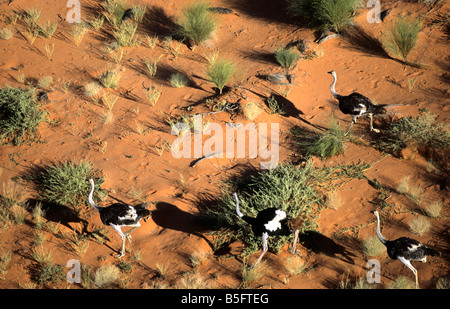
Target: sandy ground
(125, 151)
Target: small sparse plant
(152, 94)
(252, 110)
(125, 35)
(110, 78)
(403, 37)
(372, 246)
(286, 56)
(106, 276)
(97, 23)
(49, 50)
(178, 80)
(198, 258)
(274, 106)
(151, 41)
(109, 100)
(38, 216)
(413, 191)
(152, 66)
(49, 29)
(253, 274)
(434, 209)
(219, 72)
(197, 24)
(419, 225)
(77, 33)
(45, 82)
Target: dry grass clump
(372, 246)
(252, 110)
(110, 78)
(434, 209)
(106, 276)
(419, 225)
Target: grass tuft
(198, 24)
(403, 37)
(219, 72)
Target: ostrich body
(356, 105)
(269, 222)
(118, 215)
(406, 250)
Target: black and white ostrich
(356, 105)
(118, 215)
(270, 222)
(406, 249)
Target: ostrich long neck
(333, 89)
(91, 200)
(380, 237)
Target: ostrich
(356, 105)
(118, 215)
(406, 249)
(270, 222)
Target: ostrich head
(332, 72)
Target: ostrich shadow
(58, 213)
(168, 216)
(321, 244)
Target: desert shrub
(219, 72)
(20, 115)
(197, 24)
(66, 183)
(288, 187)
(419, 131)
(49, 273)
(286, 56)
(325, 14)
(403, 37)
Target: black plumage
(269, 222)
(118, 215)
(356, 105)
(406, 249)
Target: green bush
(325, 14)
(420, 131)
(66, 183)
(20, 115)
(294, 189)
(50, 273)
(197, 24)
(219, 72)
(286, 56)
(403, 37)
